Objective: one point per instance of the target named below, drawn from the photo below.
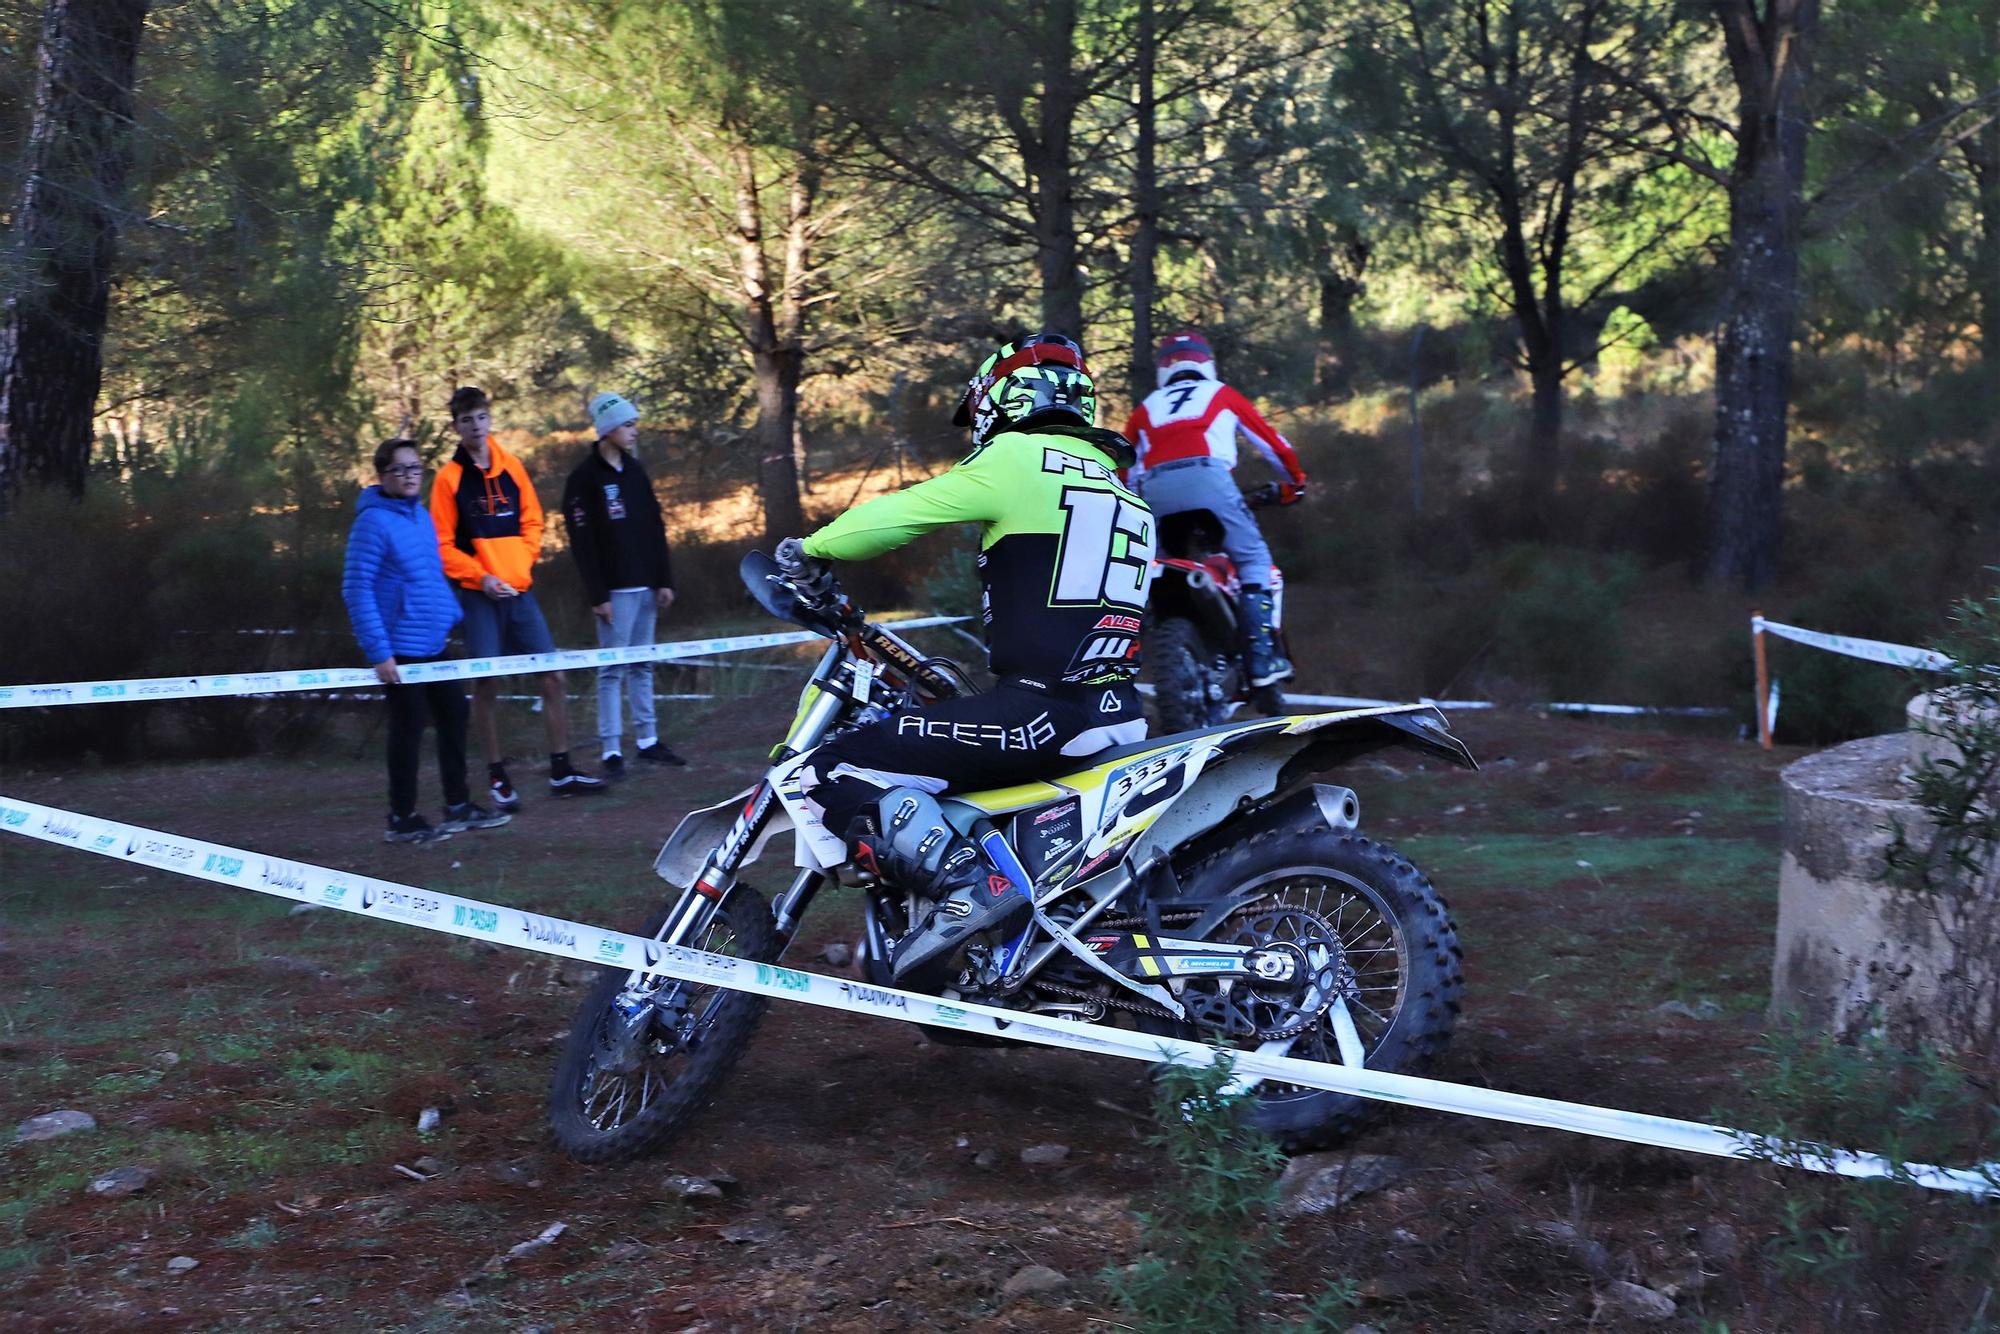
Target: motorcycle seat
(1153, 743)
(998, 801)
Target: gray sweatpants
(1208, 486)
(633, 612)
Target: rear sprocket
(1245, 1010)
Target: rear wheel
(640, 1063)
(1402, 987)
(1188, 692)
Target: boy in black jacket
(620, 544)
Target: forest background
(1597, 321)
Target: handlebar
(834, 615)
(1274, 493)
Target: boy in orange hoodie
(489, 524)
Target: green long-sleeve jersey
(1066, 552)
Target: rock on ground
(1718, 1242)
(681, 1186)
(120, 1181)
(748, 1234)
(1032, 1282)
(180, 1264)
(1635, 1303)
(1045, 1155)
(1316, 1182)
(50, 1125)
(1562, 1236)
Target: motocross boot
(1262, 662)
(918, 851)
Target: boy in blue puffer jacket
(403, 611)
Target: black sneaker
(657, 753)
(573, 784)
(465, 815)
(613, 768)
(504, 796)
(412, 829)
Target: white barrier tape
(452, 669)
(474, 920)
(1874, 650)
(1462, 705)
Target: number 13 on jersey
(1107, 551)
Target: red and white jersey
(1197, 419)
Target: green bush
(1878, 1254)
(1207, 1242)
(1825, 697)
(156, 578)
(1560, 621)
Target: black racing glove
(812, 576)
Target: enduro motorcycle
(1194, 624)
(1198, 884)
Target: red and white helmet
(1181, 355)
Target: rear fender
(1193, 593)
(1263, 764)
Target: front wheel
(1402, 980)
(642, 1061)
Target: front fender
(686, 849)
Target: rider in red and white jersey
(1187, 432)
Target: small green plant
(1209, 1241)
(1559, 618)
(1327, 1313)
(1883, 1253)
(258, 1235)
(1949, 867)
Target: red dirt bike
(1194, 624)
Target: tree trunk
(1982, 156)
(1540, 331)
(1146, 205)
(775, 352)
(1542, 462)
(1753, 351)
(65, 230)
(1341, 265)
(1047, 157)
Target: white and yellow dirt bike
(1199, 884)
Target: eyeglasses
(407, 470)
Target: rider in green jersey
(1066, 554)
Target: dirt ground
(1614, 889)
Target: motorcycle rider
(1186, 434)
(1066, 555)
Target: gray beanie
(608, 412)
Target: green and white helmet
(1042, 374)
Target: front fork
(697, 905)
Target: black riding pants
(441, 704)
(1014, 733)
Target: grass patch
(1600, 905)
(261, 1234)
(324, 1073)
